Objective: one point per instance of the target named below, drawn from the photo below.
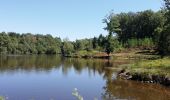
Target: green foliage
(101, 42)
(132, 43)
(95, 43)
(145, 30)
(87, 53)
(67, 48)
(141, 30)
(146, 43)
(14, 43)
(110, 44)
(84, 44)
(89, 47)
(113, 25)
(155, 67)
(164, 43)
(139, 25)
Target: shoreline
(145, 78)
(151, 68)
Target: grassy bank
(147, 63)
(89, 54)
(136, 54)
(156, 67)
(147, 68)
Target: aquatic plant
(76, 94)
(2, 98)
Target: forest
(145, 30)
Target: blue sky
(74, 19)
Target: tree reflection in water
(113, 89)
(131, 90)
(47, 63)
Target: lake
(33, 77)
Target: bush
(146, 43)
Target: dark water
(54, 78)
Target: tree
(164, 44)
(109, 46)
(67, 48)
(138, 26)
(101, 42)
(95, 43)
(112, 24)
(14, 43)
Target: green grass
(87, 53)
(156, 67)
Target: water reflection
(47, 63)
(130, 90)
(51, 75)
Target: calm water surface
(54, 78)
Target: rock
(167, 81)
(125, 75)
(121, 71)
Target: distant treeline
(144, 30)
(15, 43)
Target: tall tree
(109, 44)
(67, 48)
(164, 45)
(112, 24)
